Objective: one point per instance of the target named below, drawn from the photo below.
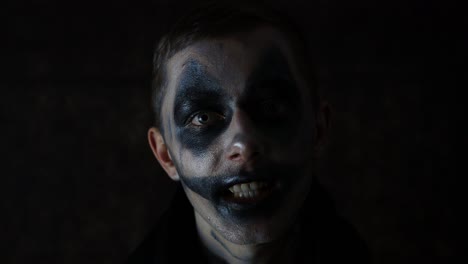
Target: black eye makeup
(201, 109)
(272, 109)
(204, 118)
(273, 97)
(197, 91)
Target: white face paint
(240, 129)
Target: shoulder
(335, 241)
(339, 241)
(174, 230)
(152, 249)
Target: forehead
(230, 59)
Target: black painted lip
(276, 176)
(246, 179)
(253, 206)
(240, 180)
(264, 193)
(223, 193)
(249, 208)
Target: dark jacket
(327, 237)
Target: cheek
(200, 141)
(294, 145)
(202, 163)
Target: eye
(205, 118)
(273, 109)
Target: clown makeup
(203, 112)
(240, 128)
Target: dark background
(79, 183)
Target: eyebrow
(195, 80)
(196, 86)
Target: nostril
(244, 149)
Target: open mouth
(249, 192)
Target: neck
(278, 251)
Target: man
(239, 124)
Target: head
(238, 119)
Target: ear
(161, 152)
(322, 128)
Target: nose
(243, 150)
(245, 146)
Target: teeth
(253, 186)
(249, 194)
(247, 190)
(236, 188)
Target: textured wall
(79, 184)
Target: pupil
(203, 118)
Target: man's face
(239, 127)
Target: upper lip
(245, 178)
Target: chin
(254, 233)
(251, 221)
